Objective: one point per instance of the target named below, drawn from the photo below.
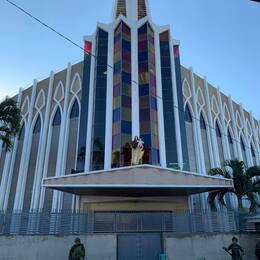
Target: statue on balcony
(137, 146)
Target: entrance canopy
(137, 181)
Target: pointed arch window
(205, 143)
(243, 150)
(31, 171)
(220, 144)
(188, 117)
(231, 146)
(57, 118)
(74, 113)
(53, 154)
(253, 155)
(71, 151)
(37, 126)
(202, 123)
(218, 131)
(21, 133)
(190, 140)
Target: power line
(108, 65)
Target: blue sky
(220, 39)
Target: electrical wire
(112, 67)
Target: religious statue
(137, 151)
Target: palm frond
(253, 171)
(219, 172)
(256, 187)
(237, 166)
(10, 118)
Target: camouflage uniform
(236, 251)
(257, 251)
(77, 252)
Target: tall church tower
(132, 9)
(132, 88)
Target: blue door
(139, 246)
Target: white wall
(98, 247)
(104, 247)
(207, 246)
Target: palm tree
(10, 119)
(246, 186)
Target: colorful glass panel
(148, 114)
(122, 101)
(99, 122)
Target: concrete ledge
(142, 180)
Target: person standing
(77, 252)
(257, 249)
(236, 250)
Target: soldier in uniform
(77, 252)
(257, 249)
(236, 250)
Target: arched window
(220, 144)
(37, 126)
(54, 136)
(32, 165)
(243, 150)
(190, 140)
(57, 118)
(253, 155)
(205, 144)
(231, 146)
(74, 113)
(71, 150)
(21, 133)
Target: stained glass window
(122, 101)
(148, 115)
(99, 122)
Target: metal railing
(67, 223)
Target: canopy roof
(137, 181)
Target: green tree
(246, 185)
(10, 120)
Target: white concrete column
(135, 81)
(1, 148)
(224, 128)
(237, 145)
(90, 108)
(42, 149)
(9, 164)
(60, 157)
(212, 141)
(159, 99)
(25, 154)
(197, 133)
(256, 138)
(109, 102)
(247, 141)
(177, 109)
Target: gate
(139, 246)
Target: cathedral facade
(74, 149)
